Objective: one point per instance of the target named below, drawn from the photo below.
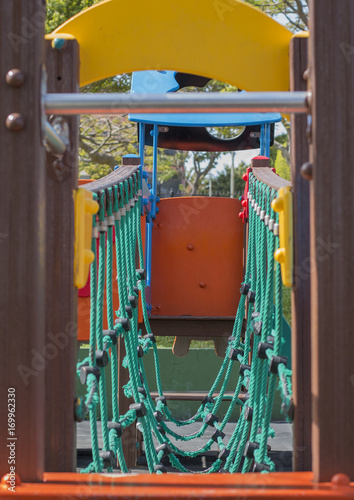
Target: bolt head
(340, 480)
(5, 480)
(15, 78)
(306, 171)
(15, 122)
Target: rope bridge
(256, 344)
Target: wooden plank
(129, 438)
(332, 236)
(113, 178)
(61, 307)
(301, 304)
(190, 326)
(194, 396)
(22, 238)
(268, 177)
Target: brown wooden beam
(301, 304)
(22, 238)
(331, 58)
(61, 295)
(191, 326)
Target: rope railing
(257, 348)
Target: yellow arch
(228, 40)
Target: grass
(167, 342)
(287, 304)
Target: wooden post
(301, 308)
(331, 57)
(22, 239)
(61, 295)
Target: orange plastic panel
(279, 486)
(197, 248)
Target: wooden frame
(332, 236)
(23, 354)
(23, 209)
(61, 295)
(301, 304)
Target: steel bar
(54, 141)
(209, 102)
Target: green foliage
(282, 167)
(103, 141)
(59, 11)
(287, 304)
(119, 83)
(221, 184)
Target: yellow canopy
(227, 40)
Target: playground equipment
(120, 202)
(120, 207)
(39, 414)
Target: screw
(190, 247)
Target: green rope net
(255, 343)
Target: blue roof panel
(160, 82)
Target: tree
(294, 11)
(104, 140)
(221, 184)
(59, 11)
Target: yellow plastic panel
(85, 207)
(283, 204)
(228, 40)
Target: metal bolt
(306, 171)
(15, 78)
(15, 122)
(190, 247)
(202, 284)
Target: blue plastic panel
(159, 82)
